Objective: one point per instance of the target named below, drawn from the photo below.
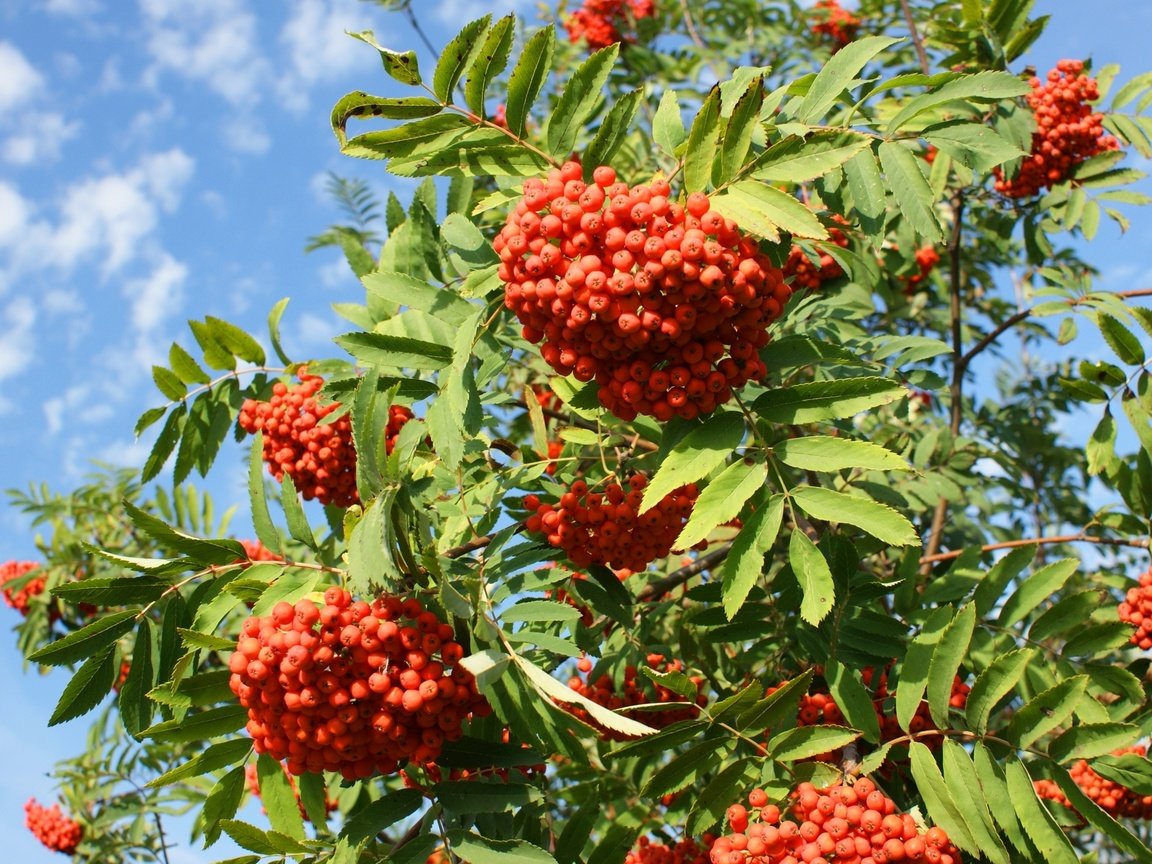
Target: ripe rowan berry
(51, 827)
(19, 598)
(1117, 800)
(1067, 134)
(835, 22)
(319, 456)
(603, 691)
(639, 287)
(1136, 609)
(347, 688)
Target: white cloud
(315, 331)
(337, 274)
(213, 41)
(19, 80)
(42, 145)
(72, 8)
(113, 214)
(157, 296)
(62, 302)
(246, 135)
(319, 49)
(456, 12)
(17, 348)
(14, 214)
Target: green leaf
(294, 515)
(200, 726)
(223, 551)
(385, 811)
(274, 317)
(668, 125)
(1042, 584)
(1089, 740)
(613, 131)
(168, 383)
(410, 139)
(877, 519)
(905, 177)
(853, 698)
(868, 190)
(804, 742)
(475, 849)
(917, 662)
(261, 517)
(949, 653)
(113, 590)
(962, 781)
(186, 367)
(1101, 820)
(1127, 769)
(745, 561)
(458, 56)
(973, 145)
(1046, 711)
(262, 842)
(1120, 339)
(814, 577)
(1068, 613)
(722, 500)
(742, 124)
(826, 400)
(396, 352)
(467, 796)
(938, 798)
(490, 62)
(991, 587)
(364, 105)
(539, 610)
(766, 211)
(981, 87)
(687, 768)
(400, 65)
(135, 708)
(827, 454)
(235, 340)
(793, 159)
(695, 455)
(838, 74)
(87, 687)
(279, 797)
(528, 77)
(1037, 822)
(993, 684)
(995, 790)
(87, 641)
(703, 141)
(554, 690)
(577, 100)
(213, 758)
(459, 232)
(165, 443)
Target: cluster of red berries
(855, 824)
(802, 272)
(1119, 801)
(604, 528)
(351, 687)
(319, 457)
(926, 259)
(601, 23)
(817, 709)
(253, 780)
(835, 22)
(684, 851)
(641, 294)
(603, 691)
(52, 828)
(1137, 611)
(1067, 132)
(20, 598)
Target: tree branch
(1041, 541)
(656, 590)
(917, 39)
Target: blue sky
(164, 159)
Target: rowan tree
(677, 489)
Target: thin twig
(656, 590)
(691, 27)
(917, 40)
(1041, 541)
(420, 30)
(956, 390)
(470, 546)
